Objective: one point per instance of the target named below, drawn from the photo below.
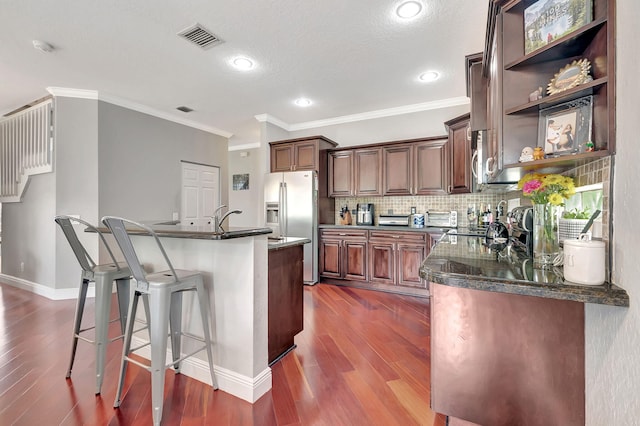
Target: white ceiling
(348, 56)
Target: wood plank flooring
(362, 359)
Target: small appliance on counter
(444, 219)
(364, 214)
(393, 220)
(416, 220)
(521, 221)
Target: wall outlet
(176, 216)
(21, 266)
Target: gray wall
(30, 235)
(139, 162)
(246, 200)
(108, 160)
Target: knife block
(346, 218)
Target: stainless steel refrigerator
(291, 210)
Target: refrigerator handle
(285, 217)
(281, 208)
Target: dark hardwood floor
(362, 359)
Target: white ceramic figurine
(527, 154)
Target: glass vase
(546, 241)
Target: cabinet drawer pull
(341, 234)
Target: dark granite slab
(428, 230)
(276, 243)
(204, 232)
(467, 262)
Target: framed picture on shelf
(546, 21)
(566, 128)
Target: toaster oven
(445, 219)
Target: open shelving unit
(521, 74)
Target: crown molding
(244, 146)
(381, 113)
(93, 94)
(262, 118)
(65, 92)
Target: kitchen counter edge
(428, 230)
(287, 242)
(605, 294)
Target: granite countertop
(203, 232)
(465, 261)
(276, 243)
(429, 230)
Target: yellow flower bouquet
(547, 189)
(548, 193)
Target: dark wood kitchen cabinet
(431, 167)
(368, 171)
(343, 254)
(355, 172)
(395, 257)
(285, 294)
(341, 173)
(397, 169)
(300, 154)
(459, 130)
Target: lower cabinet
(384, 260)
(395, 257)
(343, 254)
(285, 305)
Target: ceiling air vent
(200, 36)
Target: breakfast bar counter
(467, 262)
(507, 339)
(234, 265)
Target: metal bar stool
(164, 290)
(103, 276)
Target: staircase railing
(26, 148)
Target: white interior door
(200, 193)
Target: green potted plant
(572, 222)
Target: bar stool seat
(103, 276)
(164, 291)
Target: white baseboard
(42, 290)
(238, 385)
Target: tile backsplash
(402, 205)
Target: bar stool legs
(165, 314)
(103, 287)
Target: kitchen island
(234, 265)
(507, 340)
(286, 282)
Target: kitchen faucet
(217, 220)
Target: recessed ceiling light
(242, 63)
(303, 102)
(429, 76)
(409, 9)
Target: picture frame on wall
(566, 128)
(546, 21)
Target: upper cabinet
(460, 154)
(584, 112)
(411, 167)
(299, 154)
(355, 172)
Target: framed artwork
(546, 21)
(241, 182)
(566, 128)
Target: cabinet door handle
(342, 235)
